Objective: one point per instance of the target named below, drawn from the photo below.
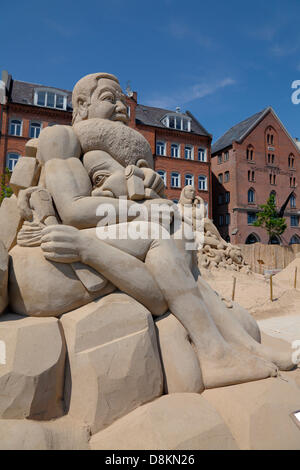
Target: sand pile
(253, 291)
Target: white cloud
(192, 93)
(180, 30)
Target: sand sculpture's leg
(221, 364)
(233, 331)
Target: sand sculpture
(212, 250)
(100, 329)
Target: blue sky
(222, 60)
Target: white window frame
(191, 183)
(55, 92)
(41, 127)
(176, 174)
(163, 176)
(203, 152)
(191, 148)
(202, 187)
(178, 150)
(163, 144)
(177, 118)
(21, 126)
(14, 160)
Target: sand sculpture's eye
(99, 178)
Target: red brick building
(251, 160)
(180, 145)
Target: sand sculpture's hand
(153, 181)
(62, 243)
(24, 202)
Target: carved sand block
(258, 414)
(31, 148)
(31, 368)
(114, 360)
(10, 222)
(173, 422)
(3, 277)
(181, 367)
(60, 434)
(25, 174)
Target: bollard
(271, 287)
(233, 288)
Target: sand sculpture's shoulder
(58, 141)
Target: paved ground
(284, 327)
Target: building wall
(239, 166)
(27, 114)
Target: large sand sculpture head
(100, 118)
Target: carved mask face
(108, 102)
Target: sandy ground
(253, 291)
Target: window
(201, 154)
(160, 148)
(15, 127)
(189, 180)
(251, 175)
(251, 217)
(271, 158)
(293, 201)
(226, 176)
(220, 159)
(220, 178)
(273, 193)
(251, 196)
(250, 153)
(202, 183)
(35, 129)
(177, 121)
(188, 152)
(50, 99)
(270, 137)
(294, 220)
(175, 180)
(252, 238)
(227, 219)
(11, 160)
(227, 196)
(292, 182)
(295, 240)
(272, 178)
(221, 220)
(291, 161)
(128, 110)
(175, 151)
(163, 175)
(226, 156)
(220, 199)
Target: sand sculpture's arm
(65, 244)
(70, 187)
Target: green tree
(268, 219)
(5, 190)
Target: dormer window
(50, 99)
(177, 121)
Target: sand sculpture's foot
(234, 366)
(278, 355)
(282, 358)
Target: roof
(23, 92)
(150, 116)
(239, 131)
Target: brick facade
(267, 169)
